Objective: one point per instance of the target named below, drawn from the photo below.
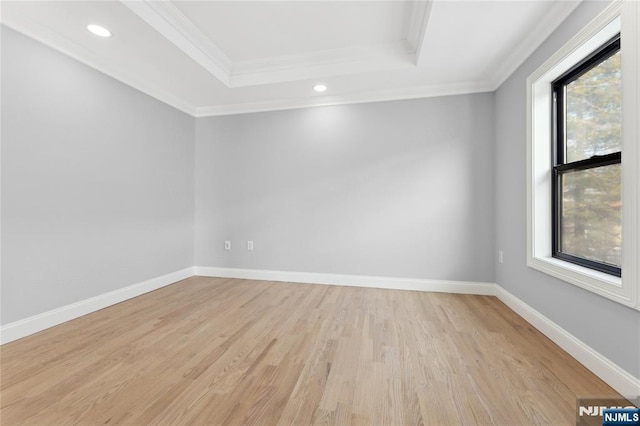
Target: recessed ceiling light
(320, 87)
(98, 30)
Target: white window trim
(623, 17)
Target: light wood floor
(224, 351)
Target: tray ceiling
(223, 57)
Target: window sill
(598, 282)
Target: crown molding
(319, 64)
(353, 98)
(525, 48)
(417, 31)
(53, 39)
(169, 21)
(56, 41)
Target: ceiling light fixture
(320, 87)
(98, 30)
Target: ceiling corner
(169, 21)
(417, 30)
(527, 46)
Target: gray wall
(608, 327)
(399, 189)
(97, 182)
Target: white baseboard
(463, 287)
(620, 380)
(25, 327)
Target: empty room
(320, 212)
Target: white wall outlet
(227, 245)
(500, 256)
(249, 245)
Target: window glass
(591, 219)
(594, 112)
(586, 177)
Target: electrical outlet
(500, 256)
(249, 245)
(227, 245)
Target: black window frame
(560, 167)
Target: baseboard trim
(619, 379)
(463, 287)
(25, 327)
(616, 377)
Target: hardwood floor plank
(226, 351)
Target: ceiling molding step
(525, 48)
(169, 21)
(354, 98)
(54, 40)
(320, 64)
(417, 30)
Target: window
(583, 158)
(586, 178)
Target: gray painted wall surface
(399, 189)
(608, 327)
(97, 182)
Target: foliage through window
(587, 219)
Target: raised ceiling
(224, 57)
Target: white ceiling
(224, 57)
(247, 31)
